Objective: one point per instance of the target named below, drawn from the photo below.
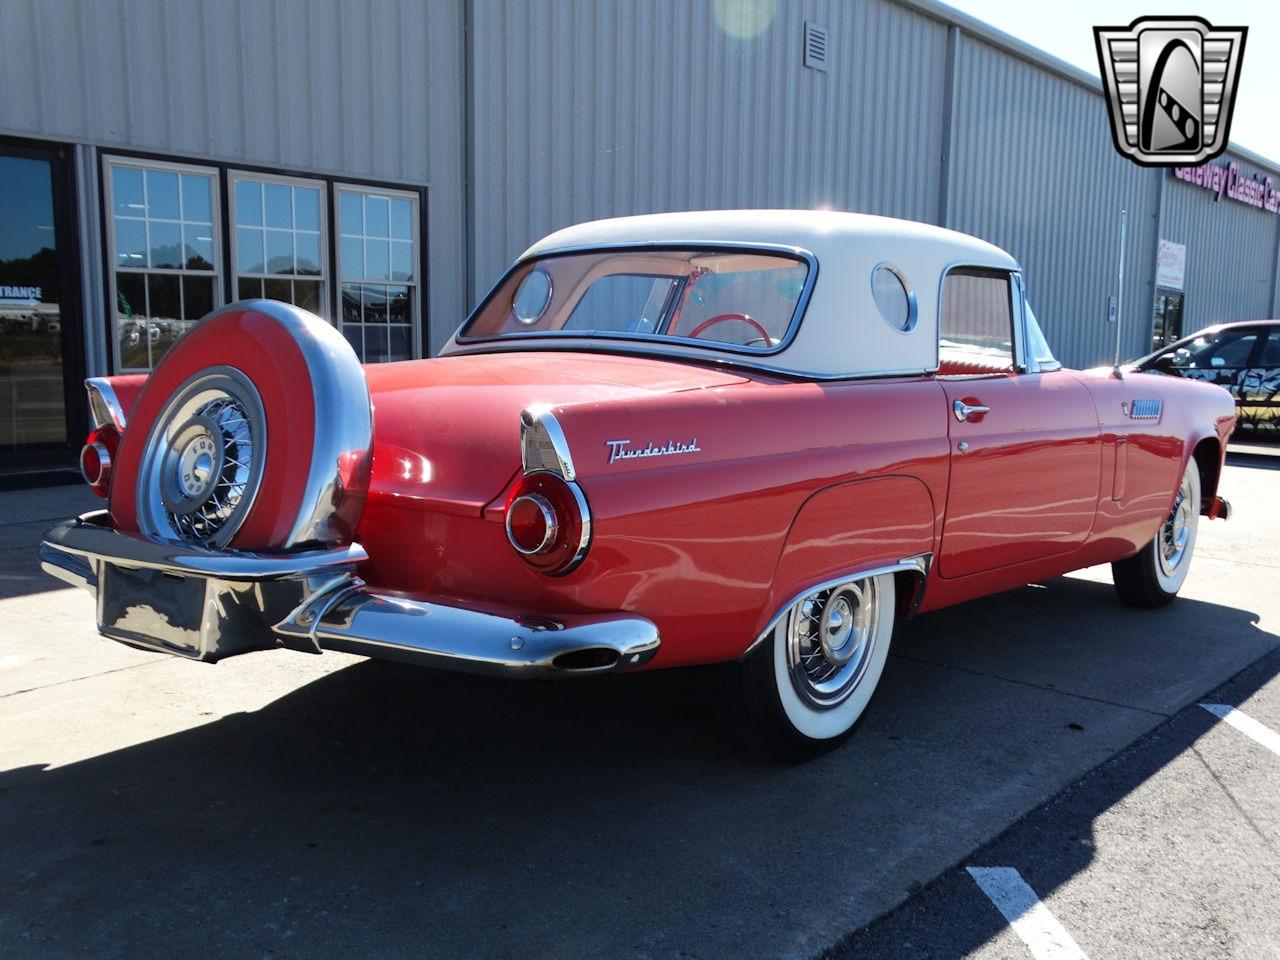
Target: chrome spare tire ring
(203, 460)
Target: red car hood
(447, 430)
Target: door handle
(964, 411)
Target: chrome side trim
(543, 445)
(104, 405)
(918, 564)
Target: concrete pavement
(280, 805)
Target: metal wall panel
(1231, 252)
(361, 88)
(1033, 170)
(585, 109)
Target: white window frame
(234, 176)
(415, 233)
(112, 161)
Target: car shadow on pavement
(400, 812)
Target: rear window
(741, 299)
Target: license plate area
(153, 609)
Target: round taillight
(531, 524)
(548, 523)
(96, 457)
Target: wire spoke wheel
(203, 462)
(831, 637)
(1175, 534)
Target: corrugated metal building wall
(360, 88)
(585, 110)
(520, 117)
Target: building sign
(1226, 180)
(1171, 265)
(28, 296)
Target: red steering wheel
(726, 317)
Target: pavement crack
(1231, 797)
(1028, 683)
(87, 676)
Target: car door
(1259, 391)
(1025, 443)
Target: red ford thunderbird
(752, 438)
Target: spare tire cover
(254, 432)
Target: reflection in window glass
(164, 245)
(977, 314)
(377, 256)
(278, 238)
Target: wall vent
(815, 46)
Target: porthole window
(532, 297)
(894, 300)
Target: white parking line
(10, 660)
(1246, 724)
(1030, 919)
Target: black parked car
(1243, 357)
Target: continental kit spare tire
(254, 432)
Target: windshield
(745, 300)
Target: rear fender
(885, 524)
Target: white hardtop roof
(842, 333)
(827, 234)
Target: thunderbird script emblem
(1171, 84)
(623, 450)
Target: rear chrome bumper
(210, 604)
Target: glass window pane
(377, 259)
(402, 219)
(401, 347)
(377, 346)
(376, 223)
(248, 203)
(131, 299)
(249, 251)
(162, 195)
(306, 208)
(306, 294)
(308, 246)
(353, 333)
(398, 304)
(279, 251)
(131, 320)
(126, 191)
(131, 243)
(352, 264)
(375, 304)
(401, 260)
(350, 303)
(166, 244)
(250, 288)
(163, 298)
(163, 335)
(278, 290)
(198, 241)
(279, 204)
(350, 214)
(197, 205)
(197, 297)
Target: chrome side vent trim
(1145, 409)
(543, 445)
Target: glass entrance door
(1168, 318)
(38, 409)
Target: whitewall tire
(811, 679)
(1155, 574)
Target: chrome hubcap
(1176, 532)
(204, 460)
(830, 638)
